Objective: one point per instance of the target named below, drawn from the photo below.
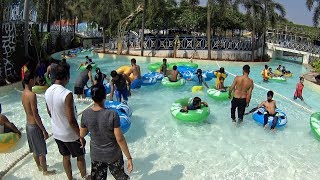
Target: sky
(297, 11)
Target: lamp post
(103, 40)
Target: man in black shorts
(65, 128)
(82, 80)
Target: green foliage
(39, 41)
(316, 65)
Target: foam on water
(163, 148)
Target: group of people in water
(107, 140)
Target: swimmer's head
(174, 67)
(199, 71)
(266, 66)
(246, 69)
(133, 61)
(269, 95)
(89, 67)
(196, 102)
(301, 79)
(98, 70)
(98, 93)
(221, 70)
(114, 75)
(164, 60)
(29, 78)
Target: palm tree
(314, 4)
(142, 25)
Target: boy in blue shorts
(122, 88)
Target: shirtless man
(36, 132)
(174, 74)
(242, 87)
(135, 70)
(122, 84)
(7, 126)
(164, 66)
(270, 106)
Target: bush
(316, 65)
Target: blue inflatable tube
(87, 92)
(147, 81)
(258, 116)
(189, 75)
(185, 68)
(136, 84)
(120, 106)
(157, 75)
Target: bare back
(174, 75)
(136, 71)
(243, 86)
(29, 101)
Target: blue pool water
(163, 148)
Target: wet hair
(98, 93)
(246, 68)
(164, 60)
(28, 76)
(279, 65)
(174, 67)
(199, 71)
(63, 60)
(301, 78)
(133, 60)
(113, 73)
(221, 70)
(270, 93)
(87, 57)
(196, 101)
(221, 78)
(63, 72)
(266, 66)
(317, 76)
(89, 67)
(98, 70)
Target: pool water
(164, 148)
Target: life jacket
(265, 75)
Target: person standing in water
(122, 83)
(164, 67)
(219, 73)
(299, 88)
(242, 87)
(36, 132)
(107, 141)
(135, 70)
(65, 129)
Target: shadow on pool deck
(146, 164)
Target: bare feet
(47, 173)
(265, 126)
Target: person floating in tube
(196, 104)
(270, 106)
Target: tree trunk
(104, 40)
(142, 26)
(48, 15)
(253, 39)
(1, 33)
(26, 10)
(209, 28)
(74, 28)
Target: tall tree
(26, 16)
(314, 5)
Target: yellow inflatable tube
(197, 88)
(125, 70)
(8, 141)
(39, 89)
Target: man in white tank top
(65, 128)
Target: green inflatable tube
(198, 115)
(165, 81)
(315, 124)
(94, 66)
(187, 64)
(278, 79)
(154, 66)
(218, 95)
(48, 80)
